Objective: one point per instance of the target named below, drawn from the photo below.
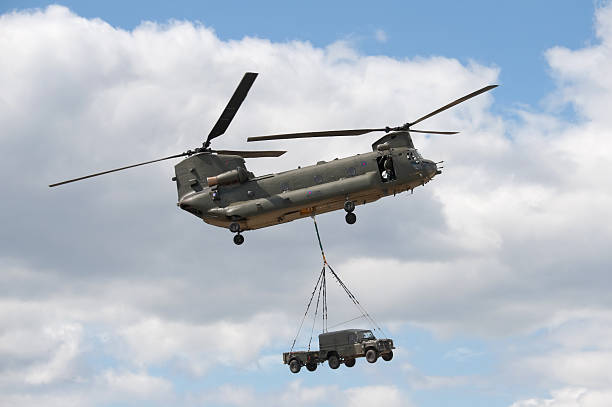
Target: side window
(284, 187)
(352, 338)
(351, 171)
(318, 179)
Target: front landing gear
(239, 239)
(349, 207)
(234, 227)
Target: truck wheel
(349, 362)
(387, 356)
(311, 366)
(333, 362)
(295, 366)
(371, 356)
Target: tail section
(192, 172)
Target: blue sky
(490, 302)
(511, 35)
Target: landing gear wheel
(239, 239)
(311, 366)
(349, 206)
(234, 227)
(349, 362)
(371, 356)
(350, 218)
(387, 356)
(294, 366)
(333, 362)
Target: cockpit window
(367, 335)
(414, 155)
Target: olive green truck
(341, 347)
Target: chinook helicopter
(216, 186)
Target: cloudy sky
(493, 280)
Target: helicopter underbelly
(292, 205)
(276, 217)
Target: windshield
(367, 335)
(414, 155)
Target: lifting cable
(320, 289)
(360, 307)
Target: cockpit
(414, 155)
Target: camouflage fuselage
(257, 202)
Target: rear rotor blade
(456, 102)
(358, 132)
(119, 169)
(251, 154)
(232, 107)
(434, 132)
(329, 133)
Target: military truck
(341, 347)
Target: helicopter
(216, 186)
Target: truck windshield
(367, 335)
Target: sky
(493, 280)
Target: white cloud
(376, 395)
(419, 381)
(570, 397)
(57, 367)
(298, 394)
(135, 385)
(197, 347)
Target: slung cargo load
(337, 347)
(341, 347)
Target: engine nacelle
(239, 175)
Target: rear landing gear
(234, 227)
(350, 218)
(349, 207)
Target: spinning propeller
(234, 104)
(218, 129)
(359, 132)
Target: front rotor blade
(434, 132)
(456, 102)
(329, 133)
(117, 169)
(251, 154)
(232, 107)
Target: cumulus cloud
(510, 239)
(570, 397)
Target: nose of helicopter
(430, 169)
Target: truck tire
(371, 355)
(311, 366)
(349, 362)
(295, 366)
(387, 356)
(333, 362)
